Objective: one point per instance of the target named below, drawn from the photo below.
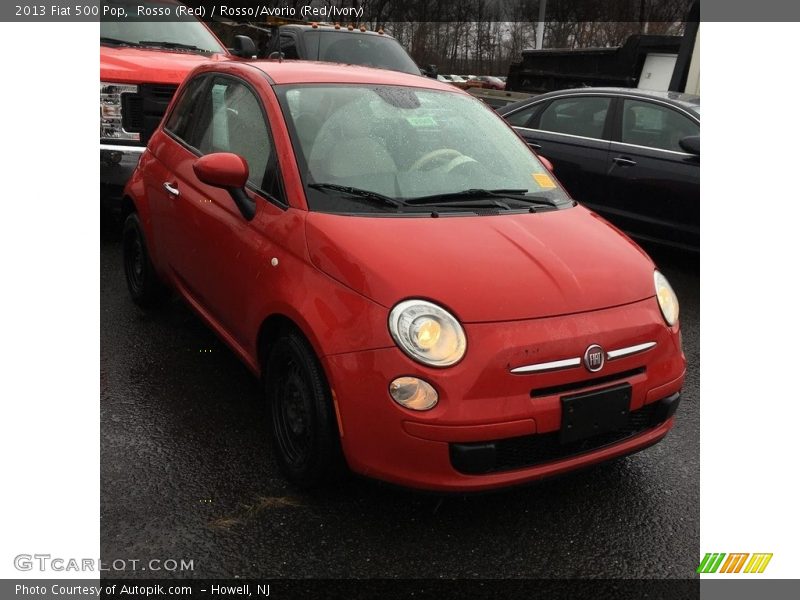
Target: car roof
(306, 71)
(333, 29)
(688, 101)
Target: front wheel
(143, 284)
(305, 436)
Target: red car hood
(134, 65)
(489, 268)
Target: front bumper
(479, 458)
(117, 162)
(482, 405)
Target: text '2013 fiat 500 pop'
(421, 299)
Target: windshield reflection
(404, 143)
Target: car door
(654, 185)
(572, 131)
(217, 255)
(161, 182)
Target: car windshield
(356, 48)
(184, 35)
(391, 145)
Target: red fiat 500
(421, 299)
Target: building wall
(693, 79)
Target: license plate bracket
(593, 413)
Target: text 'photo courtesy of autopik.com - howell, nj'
(396, 300)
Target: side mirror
(433, 71)
(691, 144)
(546, 163)
(229, 172)
(243, 46)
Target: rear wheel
(305, 436)
(145, 288)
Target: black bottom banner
(334, 589)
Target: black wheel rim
(134, 261)
(291, 414)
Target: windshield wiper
(117, 42)
(370, 195)
(471, 204)
(172, 45)
(458, 197)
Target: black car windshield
(357, 145)
(358, 48)
(184, 35)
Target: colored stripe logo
(714, 562)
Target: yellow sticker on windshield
(544, 180)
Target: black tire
(305, 436)
(144, 286)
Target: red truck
(141, 65)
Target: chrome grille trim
(567, 363)
(620, 352)
(548, 366)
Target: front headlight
(111, 111)
(667, 300)
(427, 333)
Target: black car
(631, 155)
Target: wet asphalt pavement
(187, 472)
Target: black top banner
(383, 11)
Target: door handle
(625, 162)
(171, 189)
(535, 146)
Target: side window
(232, 121)
(655, 126)
(288, 46)
(187, 110)
(521, 117)
(584, 116)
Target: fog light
(413, 393)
